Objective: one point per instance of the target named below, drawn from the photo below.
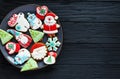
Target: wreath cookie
(31, 37)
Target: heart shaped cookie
(41, 12)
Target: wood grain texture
(91, 48)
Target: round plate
(25, 9)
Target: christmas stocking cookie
(5, 36)
(12, 47)
(23, 39)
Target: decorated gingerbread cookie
(12, 47)
(38, 51)
(50, 26)
(13, 20)
(23, 39)
(51, 58)
(5, 36)
(41, 12)
(31, 64)
(35, 23)
(22, 56)
(53, 44)
(22, 23)
(36, 35)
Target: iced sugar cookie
(23, 39)
(53, 44)
(50, 26)
(31, 64)
(12, 47)
(54, 54)
(13, 20)
(5, 36)
(22, 56)
(35, 23)
(49, 60)
(38, 51)
(22, 23)
(41, 12)
(36, 35)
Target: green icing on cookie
(36, 35)
(5, 36)
(42, 11)
(49, 59)
(31, 64)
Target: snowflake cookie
(53, 44)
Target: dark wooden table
(91, 47)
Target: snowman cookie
(22, 56)
(12, 47)
(38, 51)
(23, 39)
(35, 23)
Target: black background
(91, 48)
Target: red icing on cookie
(41, 12)
(17, 47)
(36, 45)
(52, 54)
(13, 20)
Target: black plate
(25, 9)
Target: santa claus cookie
(23, 39)
(50, 25)
(38, 51)
(41, 12)
(22, 56)
(12, 47)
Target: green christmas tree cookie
(5, 36)
(36, 35)
(31, 64)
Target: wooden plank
(91, 32)
(65, 72)
(85, 12)
(86, 54)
